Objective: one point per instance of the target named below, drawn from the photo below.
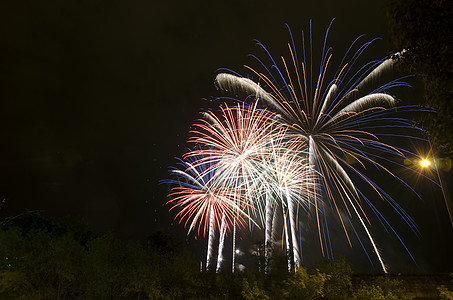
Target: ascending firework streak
(203, 202)
(221, 245)
(337, 121)
(234, 145)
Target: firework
(234, 145)
(337, 121)
(287, 181)
(202, 203)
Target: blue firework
(345, 123)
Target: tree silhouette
(424, 29)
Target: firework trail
(221, 244)
(288, 247)
(202, 203)
(268, 232)
(337, 121)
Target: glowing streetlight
(425, 163)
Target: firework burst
(287, 181)
(337, 122)
(234, 146)
(203, 204)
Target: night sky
(97, 97)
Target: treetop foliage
(40, 260)
(424, 29)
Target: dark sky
(97, 97)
